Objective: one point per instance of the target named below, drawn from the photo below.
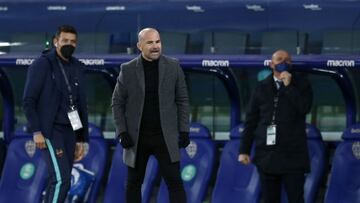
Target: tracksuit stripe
(57, 171)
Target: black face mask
(67, 51)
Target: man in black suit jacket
(55, 107)
(275, 122)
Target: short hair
(65, 28)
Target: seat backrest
(115, 189)
(235, 182)
(28, 42)
(341, 42)
(344, 183)
(317, 155)
(93, 42)
(174, 42)
(197, 165)
(95, 159)
(287, 40)
(231, 42)
(25, 172)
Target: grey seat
(174, 42)
(123, 42)
(225, 42)
(291, 41)
(28, 42)
(93, 42)
(341, 42)
(4, 43)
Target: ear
(55, 42)
(139, 46)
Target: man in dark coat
(150, 106)
(275, 122)
(55, 107)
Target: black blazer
(290, 154)
(43, 92)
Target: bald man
(150, 107)
(275, 122)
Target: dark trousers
(271, 185)
(154, 145)
(59, 157)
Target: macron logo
(340, 63)
(215, 63)
(24, 62)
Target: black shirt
(61, 116)
(150, 121)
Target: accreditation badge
(271, 135)
(74, 118)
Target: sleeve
(182, 101)
(119, 99)
(300, 94)
(84, 132)
(36, 75)
(251, 122)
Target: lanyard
(276, 103)
(72, 106)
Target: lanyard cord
(67, 84)
(276, 102)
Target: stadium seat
(4, 43)
(225, 42)
(115, 189)
(317, 154)
(93, 42)
(95, 159)
(174, 42)
(289, 41)
(235, 182)
(341, 42)
(197, 165)
(344, 182)
(123, 42)
(28, 42)
(25, 172)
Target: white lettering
(4, 8)
(194, 130)
(267, 62)
(93, 62)
(24, 61)
(56, 8)
(215, 63)
(340, 63)
(115, 8)
(355, 130)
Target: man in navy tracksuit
(55, 107)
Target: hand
(125, 140)
(79, 151)
(184, 140)
(285, 77)
(244, 158)
(39, 140)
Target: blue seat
(25, 172)
(235, 182)
(197, 165)
(317, 155)
(115, 189)
(344, 183)
(95, 159)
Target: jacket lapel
(162, 70)
(140, 73)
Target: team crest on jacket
(30, 148)
(191, 150)
(356, 149)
